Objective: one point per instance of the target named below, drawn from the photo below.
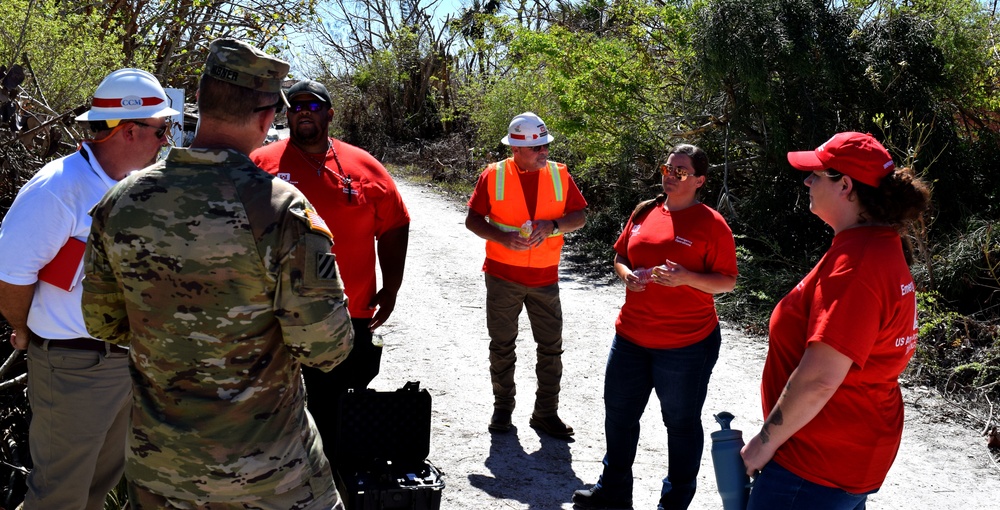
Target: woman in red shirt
(674, 254)
(840, 338)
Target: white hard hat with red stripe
(527, 130)
(128, 94)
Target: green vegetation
(67, 63)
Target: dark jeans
(777, 488)
(680, 378)
(325, 388)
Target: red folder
(63, 270)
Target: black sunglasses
(278, 106)
(160, 131)
(538, 148)
(298, 106)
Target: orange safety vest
(509, 210)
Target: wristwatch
(555, 227)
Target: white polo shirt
(52, 207)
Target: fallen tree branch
(9, 363)
(21, 379)
(43, 125)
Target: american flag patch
(326, 266)
(317, 223)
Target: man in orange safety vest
(522, 206)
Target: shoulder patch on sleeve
(326, 266)
(316, 223)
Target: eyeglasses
(160, 130)
(278, 106)
(680, 173)
(298, 106)
(538, 148)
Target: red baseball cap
(857, 155)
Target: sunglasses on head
(313, 106)
(160, 130)
(278, 106)
(680, 173)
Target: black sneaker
(592, 498)
(500, 422)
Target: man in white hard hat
(78, 386)
(522, 206)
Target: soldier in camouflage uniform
(220, 279)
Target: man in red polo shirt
(522, 206)
(357, 197)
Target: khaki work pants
(504, 301)
(80, 402)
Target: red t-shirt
(357, 214)
(479, 203)
(697, 238)
(860, 300)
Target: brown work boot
(500, 422)
(552, 426)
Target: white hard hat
(527, 130)
(128, 94)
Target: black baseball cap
(312, 87)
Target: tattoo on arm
(776, 419)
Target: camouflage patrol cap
(240, 64)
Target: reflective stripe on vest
(501, 179)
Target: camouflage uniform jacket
(220, 278)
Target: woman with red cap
(839, 340)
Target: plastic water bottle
(730, 472)
(526, 229)
(644, 274)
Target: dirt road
(437, 336)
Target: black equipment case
(383, 441)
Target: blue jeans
(680, 378)
(777, 488)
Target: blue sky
(441, 9)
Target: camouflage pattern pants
(504, 301)
(301, 498)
